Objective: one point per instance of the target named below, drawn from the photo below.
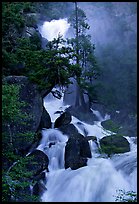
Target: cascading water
(100, 180)
(103, 177)
(57, 27)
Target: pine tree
(84, 49)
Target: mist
(113, 30)
(110, 22)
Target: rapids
(100, 180)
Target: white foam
(52, 29)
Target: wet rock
(38, 162)
(39, 188)
(63, 119)
(56, 94)
(77, 151)
(45, 120)
(82, 127)
(93, 138)
(75, 96)
(69, 130)
(114, 144)
(58, 112)
(82, 114)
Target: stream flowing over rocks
(69, 148)
(73, 158)
(83, 167)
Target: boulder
(82, 114)
(68, 130)
(82, 127)
(84, 147)
(114, 144)
(63, 119)
(33, 109)
(37, 162)
(77, 150)
(45, 120)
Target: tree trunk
(77, 37)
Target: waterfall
(100, 180)
(56, 27)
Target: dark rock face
(69, 130)
(114, 144)
(45, 120)
(38, 162)
(33, 109)
(64, 119)
(75, 97)
(77, 151)
(39, 188)
(82, 114)
(82, 127)
(79, 102)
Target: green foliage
(49, 67)
(14, 20)
(15, 175)
(16, 182)
(35, 40)
(24, 56)
(11, 113)
(82, 24)
(126, 196)
(28, 136)
(10, 103)
(84, 51)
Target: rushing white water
(52, 105)
(100, 180)
(52, 29)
